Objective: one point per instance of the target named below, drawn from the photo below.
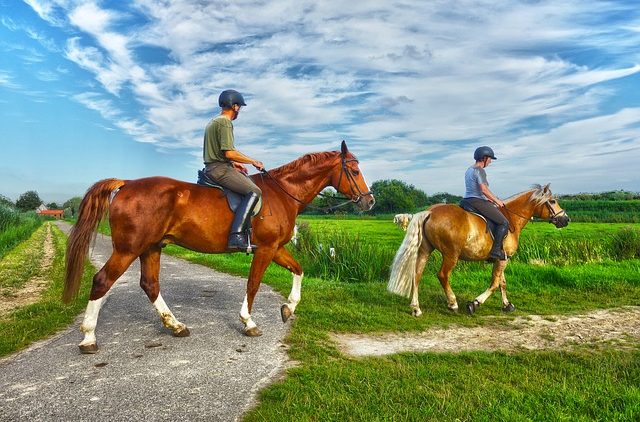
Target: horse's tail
(403, 269)
(93, 207)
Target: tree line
(392, 196)
(30, 201)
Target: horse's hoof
(183, 332)
(509, 307)
(472, 306)
(88, 349)
(416, 313)
(253, 332)
(453, 308)
(285, 313)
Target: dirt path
(142, 372)
(534, 332)
(30, 292)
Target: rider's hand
(499, 203)
(258, 164)
(240, 168)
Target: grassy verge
(16, 227)
(33, 322)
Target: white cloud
(396, 79)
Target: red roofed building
(52, 213)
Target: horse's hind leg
(424, 252)
(150, 283)
(497, 278)
(116, 265)
(448, 262)
(506, 305)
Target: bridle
(357, 194)
(553, 215)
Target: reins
(553, 215)
(358, 194)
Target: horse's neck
(308, 181)
(520, 210)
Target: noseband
(554, 216)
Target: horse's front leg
(496, 278)
(261, 260)
(285, 260)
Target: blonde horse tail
(403, 269)
(93, 207)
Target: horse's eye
(552, 201)
(355, 172)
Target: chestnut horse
(459, 234)
(146, 214)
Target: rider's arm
(485, 190)
(239, 157)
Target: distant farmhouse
(42, 210)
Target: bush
(626, 243)
(340, 257)
(15, 227)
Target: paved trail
(142, 372)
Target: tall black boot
(497, 253)
(239, 233)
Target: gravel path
(142, 372)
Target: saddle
(233, 198)
(465, 205)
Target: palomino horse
(146, 214)
(459, 234)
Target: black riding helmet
(482, 152)
(230, 97)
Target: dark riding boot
(497, 253)
(240, 227)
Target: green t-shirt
(218, 137)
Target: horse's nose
(371, 202)
(563, 222)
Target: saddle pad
(469, 208)
(233, 198)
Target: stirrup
(497, 256)
(240, 242)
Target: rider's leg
(499, 233)
(238, 234)
(226, 175)
(491, 212)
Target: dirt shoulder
(533, 332)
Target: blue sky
(97, 89)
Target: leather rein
(353, 185)
(553, 215)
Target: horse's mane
(295, 165)
(538, 195)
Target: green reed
(15, 227)
(339, 256)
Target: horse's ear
(546, 188)
(343, 148)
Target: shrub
(341, 257)
(626, 243)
